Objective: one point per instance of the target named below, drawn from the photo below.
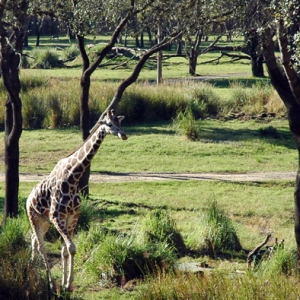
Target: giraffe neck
(72, 167)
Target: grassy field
(233, 146)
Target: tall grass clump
(119, 258)
(70, 53)
(204, 101)
(214, 233)
(252, 100)
(56, 116)
(34, 111)
(20, 278)
(280, 262)
(158, 226)
(186, 125)
(13, 235)
(44, 58)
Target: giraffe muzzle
(122, 136)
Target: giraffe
(56, 198)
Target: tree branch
(134, 75)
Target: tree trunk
(257, 66)
(192, 62)
(194, 52)
(134, 75)
(11, 150)
(179, 47)
(159, 57)
(13, 124)
(286, 83)
(255, 54)
(142, 39)
(150, 37)
(85, 82)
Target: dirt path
(145, 176)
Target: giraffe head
(113, 124)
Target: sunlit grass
(231, 146)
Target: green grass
(231, 146)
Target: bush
(19, 277)
(249, 100)
(45, 59)
(12, 235)
(70, 52)
(85, 216)
(216, 232)
(185, 124)
(281, 261)
(158, 227)
(121, 258)
(34, 112)
(56, 112)
(204, 101)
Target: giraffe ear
(121, 118)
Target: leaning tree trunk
(287, 84)
(85, 82)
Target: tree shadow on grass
(216, 134)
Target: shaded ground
(145, 176)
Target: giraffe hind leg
(39, 227)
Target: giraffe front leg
(64, 262)
(34, 246)
(72, 251)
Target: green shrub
(215, 232)
(20, 278)
(34, 112)
(158, 227)
(56, 111)
(281, 261)
(121, 258)
(249, 100)
(204, 101)
(87, 241)
(70, 52)
(185, 124)
(45, 58)
(13, 235)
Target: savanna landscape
(207, 173)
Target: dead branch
(123, 63)
(255, 250)
(234, 57)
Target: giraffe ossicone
(56, 198)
